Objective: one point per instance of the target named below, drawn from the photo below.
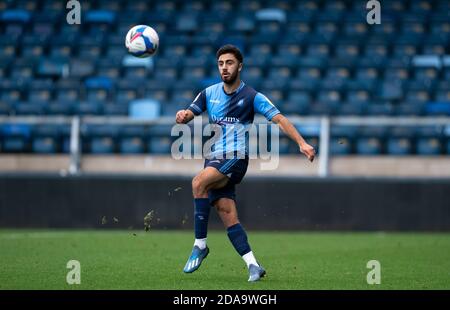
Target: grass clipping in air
(148, 219)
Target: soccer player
(229, 103)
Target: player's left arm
(288, 128)
(263, 105)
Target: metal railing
(321, 125)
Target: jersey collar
(241, 85)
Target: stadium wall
(339, 166)
(122, 201)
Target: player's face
(229, 68)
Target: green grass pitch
(111, 259)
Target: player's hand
(308, 150)
(182, 117)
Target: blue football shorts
(234, 169)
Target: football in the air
(142, 41)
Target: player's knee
(198, 187)
(225, 210)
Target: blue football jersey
(234, 113)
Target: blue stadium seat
(88, 108)
(61, 108)
(80, 68)
(337, 74)
(14, 145)
(368, 74)
(44, 145)
(33, 50)
(243, 23)
(341, 141)
(340, 146)
(324, 108)
(115, 109)
(417, 96)
(100, 139)
(428, 146)
(347, 51)
(358, 96)
(428, 74)
(160, 145)
(5, 108)
(194, 6)
(170, 108)
(100, 17)
(15, 16)
(284, 61)
(405, 50)
(315, 50)
(289, 50)
(280, 73)
(437, 108)
(356, 29)
(355, 108)
(110, 72)
(261, 50)
(16, 137)
(67, 93)
(379, 109)
(30, 108)
(399, 146)
(90, 50)
(144, 109)
(99, 88)
(409, 108)
(113, 6)
(102, 145)
(329, 96)
(284, 145)
(7, 53)
(443, 95)
(22, 70)
(273, 94)
(187, 22)
(309, 74)
(390, 90)
(201, 53)
(51, 68)
(368, 146)
(132, 145)
(198, 73)
(300, 97)
(296, 32)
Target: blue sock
(238, 238)
(201, 216)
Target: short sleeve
(264, 106)
(198, 106)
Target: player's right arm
(184, 116)
(195, 108)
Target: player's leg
(205, 180)
(226, 208)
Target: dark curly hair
(230, 49)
